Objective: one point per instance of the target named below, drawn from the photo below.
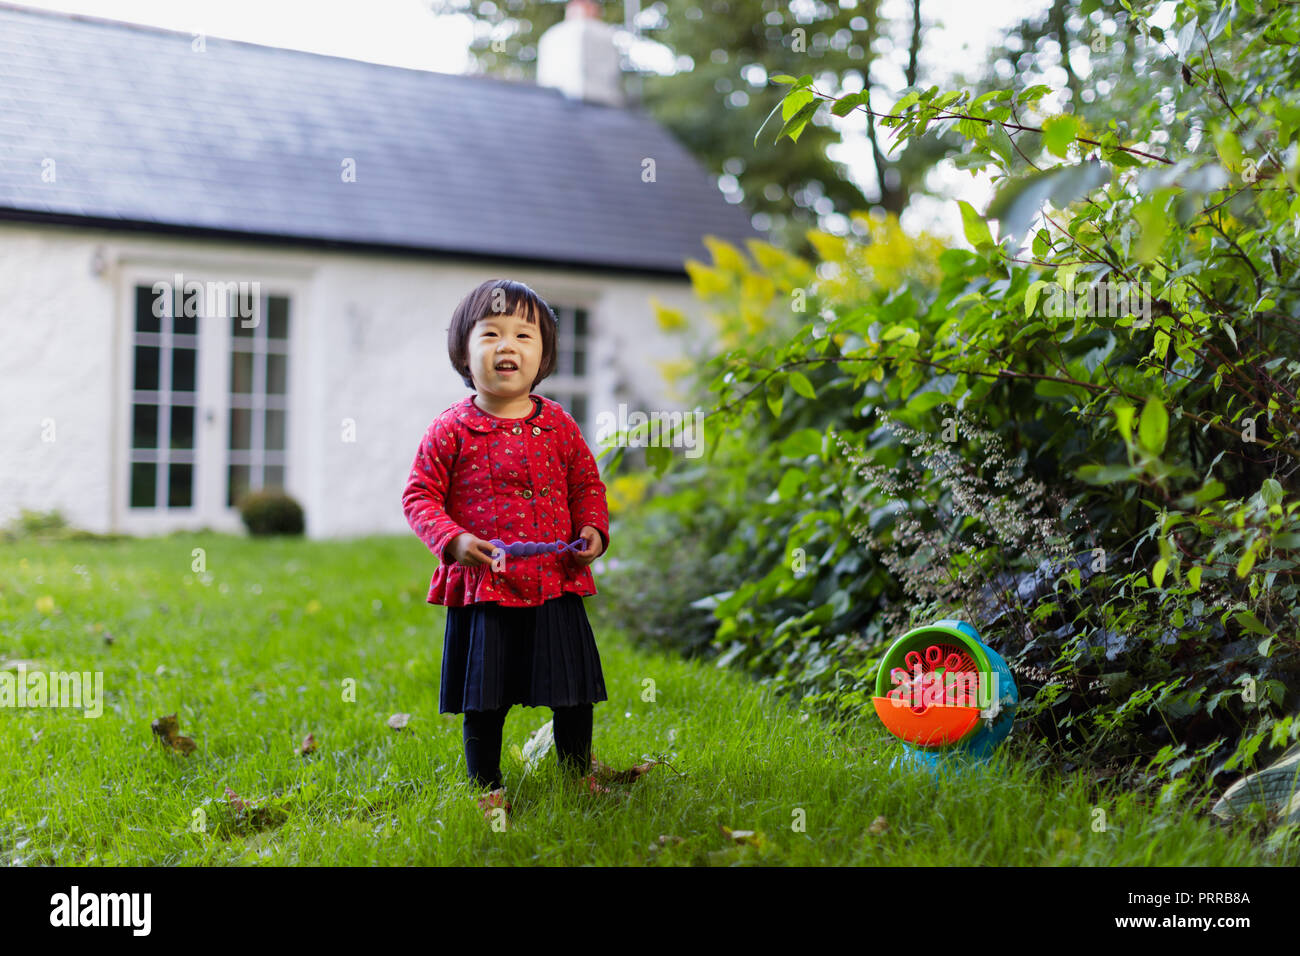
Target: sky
(407, 33)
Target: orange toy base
(936, 727)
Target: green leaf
(1153, 428)
(1228, 146)
(1208, 492)
(800, 444)
(1232, 334)
(1031, 295)
(908, 337)
(1042, 243)
(1160, 345)
(1271, 492)
(795, 101)
(1153, 226)
(924, 401)
(905, 102)
(1251, 623)
(790, 483)
(799, 382)
(1124, 420)
(658, 457)
(1105, 474)
(1019, 201)
(1194, 577)
(1000, 143)
(973, 224)
(1158, 572)
(1246, 563)
(795, 124)
(1221, 19)
(846, 104)
(774, 394)
(1059, 132)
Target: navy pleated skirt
(494, 656)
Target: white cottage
(311, 221)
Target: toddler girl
(506, 464)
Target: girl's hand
(470, 551)
(592, 547)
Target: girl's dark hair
(500, 297)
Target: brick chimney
(578, 56)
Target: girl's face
(498, 339)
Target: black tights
(572, 726)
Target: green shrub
(271, 511)
(1133, 548)
(49, 526)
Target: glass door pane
(257, 442)
(164, 397)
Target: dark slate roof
(249, 139)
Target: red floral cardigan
(517, 479)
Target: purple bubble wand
(527, 548)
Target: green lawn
(253, 655)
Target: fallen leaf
(255, 816)
(1069, 837)
(878, 825)
(167, 731)
(165, 727)
(665, 841)
(398, 721)
(607, 774)
(308, 744)
(45, 604)
(750, 837)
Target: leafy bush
(270, 512)
(1133, 546)
(49, 526)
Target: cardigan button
(536, 430)
(527, 493)
(546, 489)
(517, 430)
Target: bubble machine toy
(946, 694)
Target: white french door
(207, 399)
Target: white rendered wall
(55, 342)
